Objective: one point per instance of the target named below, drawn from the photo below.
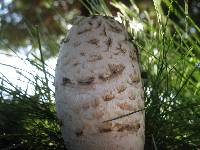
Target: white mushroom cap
(97, 79)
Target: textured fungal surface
(97, 79)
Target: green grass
(28, 121)
(168, 53)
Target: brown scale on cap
(76, 63)
(114, 28)
(105, 76)
(137, 126)
(98, 24)
(120, 88)
(134, 77)
(131, 95)
(90, 23)
(86, 81)
(105, 127)
(93, 58)
(108, 96)
(128, 127)
(66, 81)
(82, 53)
(109, 43)
(104, 33)
(79, 133)
(133, 55)
(93, 41)
(121, 49)
(116, 68)
(126, 106)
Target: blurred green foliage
(18, 18)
